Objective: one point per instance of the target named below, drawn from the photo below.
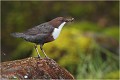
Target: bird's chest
(56, 31)
(53, 36)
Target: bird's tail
(17, 35)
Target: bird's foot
(47, 57)
(39, 56)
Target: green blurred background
(87, 47)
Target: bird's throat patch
(57, 31)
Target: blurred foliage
(87, 47)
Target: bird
(43, 33)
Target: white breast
(57, 31)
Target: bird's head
(59, 20)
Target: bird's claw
(39, 56)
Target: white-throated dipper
(43, 33)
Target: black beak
(69, 19)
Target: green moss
(112, 75)
(112, 32)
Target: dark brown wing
(44, 28)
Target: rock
(33, 68)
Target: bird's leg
(37, 51)
(43, 50)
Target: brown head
(59, 20)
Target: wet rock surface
(33, 68)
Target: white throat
(57, 31)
